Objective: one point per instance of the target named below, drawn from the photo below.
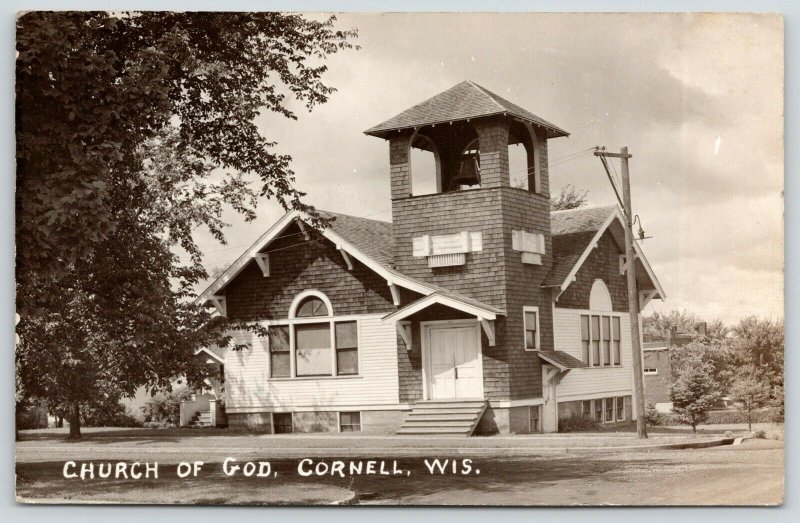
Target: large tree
(133, 130)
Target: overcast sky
(698, 99)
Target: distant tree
(776, 404)
(749, 392)
(693, 391)
(759, 343)
(716, 330)
(568, 198)
(716, 354)
(659, 323)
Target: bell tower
(476, 234)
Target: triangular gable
(448, 299)
(615, 215)
(392, 277)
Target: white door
(454, 362)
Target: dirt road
(749, 474)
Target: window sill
(314, 378)
(606, 367)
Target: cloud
(696, 97)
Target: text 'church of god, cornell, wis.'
(477, 310)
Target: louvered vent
(446, 260)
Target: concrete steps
(447, 418)
(201, 419)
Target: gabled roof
(365, 240)
(576, 233)
(215, 352)
(461, 102)
(372, 237)
(448, 299)
(561, 359)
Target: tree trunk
(694, 429)
(59, 422)
(74, 420)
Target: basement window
(282, 423)
(650, 371)
(349, 422)
(535, 418)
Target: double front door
(453, 360)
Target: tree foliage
(569, 198)
(133, 130)
(749, 391)
(693, 391)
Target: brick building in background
(657, 363)
(476, 308)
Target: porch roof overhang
(561, 360)
(210, 353)
(452, 300)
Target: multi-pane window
(346, 348)
(651, 371)
(531, 320)
(606, 335)
(615, 339)
(595, 341)
(279, 352)
(535, 418)
(600, 340)
(311, 307)
(604, 410)
(609, 408)
(282, 423)
(349, 422)
(585, 339)
(312, 343)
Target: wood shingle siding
(249, 388)
(602, 263)
(297, 265)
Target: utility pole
(633, 294)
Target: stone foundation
(510, 420)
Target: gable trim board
(209, 353)
(615, 215)
(392, 277)
(478, 310)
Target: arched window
(311, 342)
(599, 298)
(311, 306)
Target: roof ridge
(486, 92)
(587, 208)
(354, 216)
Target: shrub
(164, 410)
(652, 416)
(577, 423)
(760, 434)
(108, 412)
